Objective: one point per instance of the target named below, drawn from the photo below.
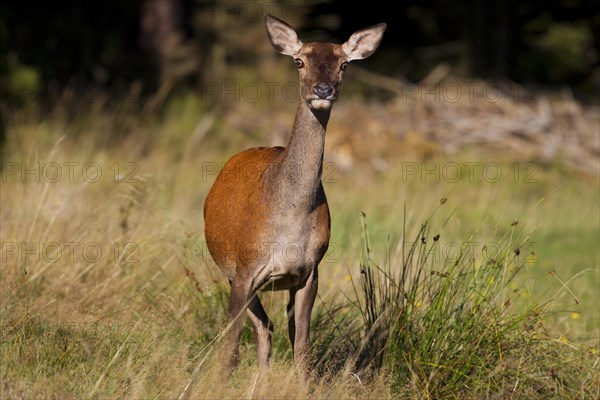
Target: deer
(267, 222)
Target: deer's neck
(302, 163)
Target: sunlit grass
(138, 319)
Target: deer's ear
(282, 36)
(363, 43)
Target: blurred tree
(2, 139)
(162, 34)
(158, 41)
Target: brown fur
(266, 217)
(234, 211)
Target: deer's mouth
(321, 104)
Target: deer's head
(322, 65)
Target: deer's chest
(297, 244)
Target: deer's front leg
(303, 303)
(263, 330)
(238, 303)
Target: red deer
(266, 217)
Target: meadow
(469, 275)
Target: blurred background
(480, 119)
(76, 56)
(104, 43)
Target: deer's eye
(299, 62)
(344, 66)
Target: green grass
(143, 318)
(449, 329)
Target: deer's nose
(323, 90)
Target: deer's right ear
(282, 36)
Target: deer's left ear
(363, 43)
(282, 36)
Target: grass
(106, 288)
(449, 327)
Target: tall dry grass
(107, 290)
